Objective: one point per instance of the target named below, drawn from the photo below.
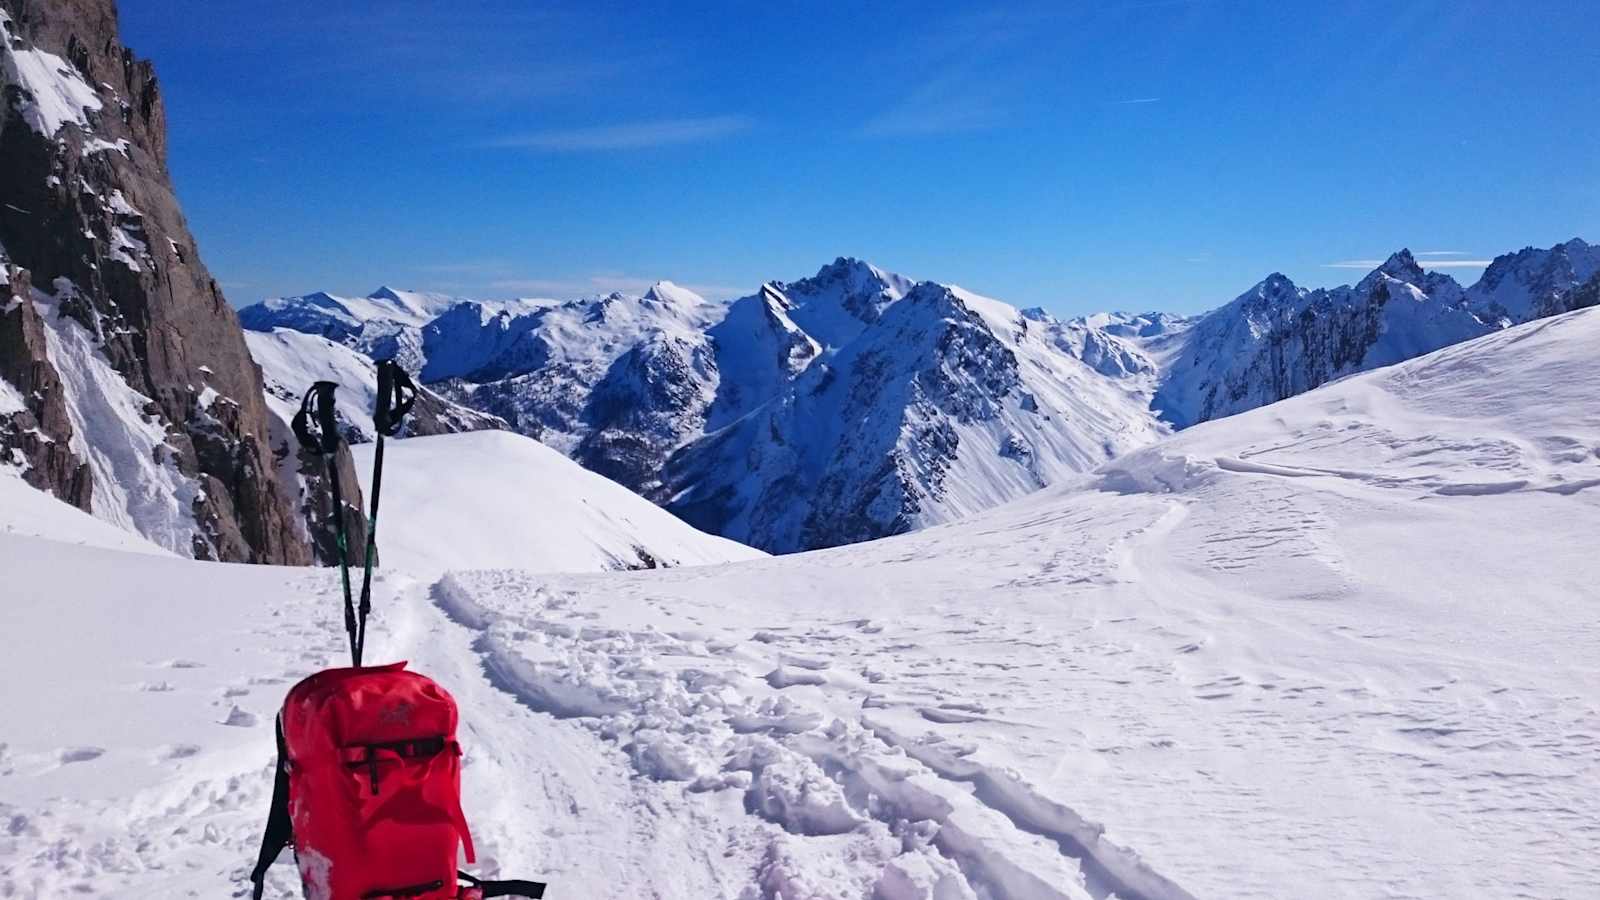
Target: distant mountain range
(858, 403)
(849, 405)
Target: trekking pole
(317, 407)
(396, 394)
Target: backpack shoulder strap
(531, 889)
(280, 828)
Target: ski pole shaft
(372, 547)
(344, 561)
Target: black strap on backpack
(280, 828)
(530, 889)
(317, 410)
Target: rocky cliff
(139, 398)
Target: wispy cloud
(918, 118)
(605, 283)
(1425, 263)
(627, 135)
(1136, 100)
(1441, 253)
(958, 74)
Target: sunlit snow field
(1343, 646)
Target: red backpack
(369, 791)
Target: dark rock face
(638, 412)
(89, 209)
(38, 437)
(317, 508)
(1581, 297)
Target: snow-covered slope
(496, 499)
(1342, 646)
(28, 512)
(291, 361)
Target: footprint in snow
(783, 677)
(156, 687)
(947, 716)
(179, 751)
(79, 754)
(240, 718)
(182, 664)
(802, 662)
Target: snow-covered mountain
(291, 361)
(1533, 283)
(1277, 340)
(386, 324)
(1338, 647)
(848, 405)
(858, 403)
(897, 406)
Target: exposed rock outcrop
(87, 207)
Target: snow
(11, 399)
(26, 512)
(1341, 646)
(508, 500)
(137, 483)
(99, 145)
(58, 94)
(291, 361)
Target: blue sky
(1123, 155)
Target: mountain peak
(1402, 265)
(666, 292)
(1276, 285)
(859, 278)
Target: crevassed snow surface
(1341, 646)
(508, 500)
